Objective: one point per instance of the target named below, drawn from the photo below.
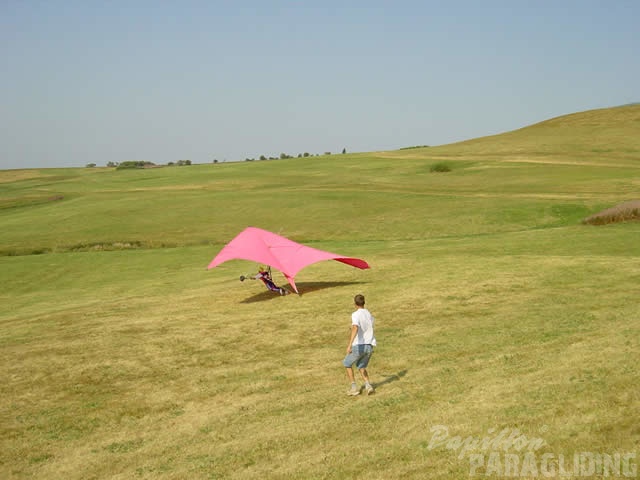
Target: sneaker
(370, 390)
(353, 391)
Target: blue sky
(98, 81)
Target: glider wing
(262, 246)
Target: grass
(123, 357)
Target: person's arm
(352, 336)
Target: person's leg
(353, 390)
(367, 385)
(348, 362)
(362, 367)
(350, 375)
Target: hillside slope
(553, 173)
(611, 133)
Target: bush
(624, 212)
(129, 164)
(134, 164)
(440, 167)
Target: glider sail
(262, 246)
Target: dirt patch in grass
(623, 212)
(28, 201)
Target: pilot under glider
(268, 248)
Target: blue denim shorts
(360, 355)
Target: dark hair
(359, 300)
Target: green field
(497, 310)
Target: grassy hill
(496, 309)
(597, 137)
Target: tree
(344, 150)
(91, 165)
(134, 164)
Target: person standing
(360, 346)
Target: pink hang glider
(289, 257)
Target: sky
(93, 81)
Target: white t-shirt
(363, 319)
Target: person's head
(359, 300)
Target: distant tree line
(129, 164)
(285, 155)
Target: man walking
(360, 347)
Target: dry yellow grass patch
(623, 212)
